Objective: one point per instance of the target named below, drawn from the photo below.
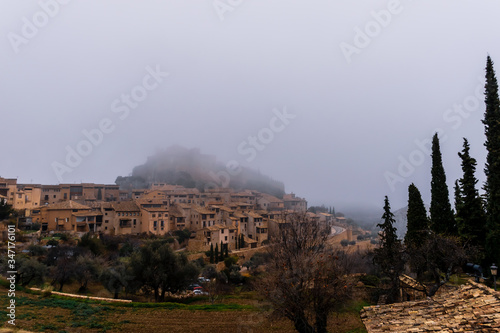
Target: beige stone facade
(67, 216)
(294, 203)
(215, 215)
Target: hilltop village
(213, 217)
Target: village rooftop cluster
(215, 216)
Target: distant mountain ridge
(190, 168)
(400, 216)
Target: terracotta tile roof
(470, 308)
(149, 201)
(249, 240)
(91, 203)
(291, 197)
(325, 214)
(70, 204)
(254, 215)
(87, 213)
(242, 194)
(184, 205)
(175, 210)
(225, 208)
(216, 228)
(242, 204)
(183, 190)
(125, 206)
(411, 282)
(271, 198)
(155, 209)
(203, 210)
(105, 205)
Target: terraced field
(245, 314)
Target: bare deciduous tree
(306, 278)
(439, 257)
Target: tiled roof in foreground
(470, 308)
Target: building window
(154, 215)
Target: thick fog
(337, 99)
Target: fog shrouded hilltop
(188, 167)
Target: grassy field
(243, 313)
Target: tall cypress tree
(442, 219)
(492, 169)
(388, 257)
(389, 237)
(216, 255)
(5, 209)
(471, 219)
(417, 221)
(212, 259)
(459, 202)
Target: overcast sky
(337, 94)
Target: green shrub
(53, 242)
(370, 280)
(230, 261)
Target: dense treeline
(119, 263)
(438, 245)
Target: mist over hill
(369, 216)
(190, 168)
